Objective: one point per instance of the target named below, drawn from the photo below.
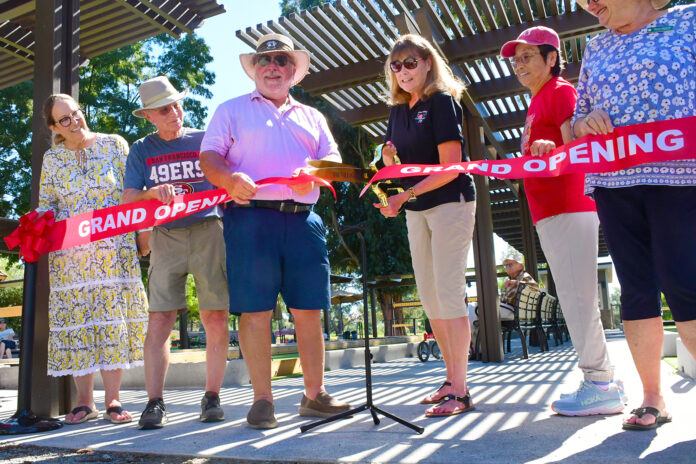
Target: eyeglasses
(408, 63)
(524, 59)
(65, 121)
(164, 110)
(280, 60)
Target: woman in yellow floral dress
(97, 304)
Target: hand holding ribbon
(31, 235)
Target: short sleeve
(135, 168)
(218, 135)
(563, 105)
(447, 124)
(327, 144)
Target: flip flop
(90, 415)
(640, 412)
(115, 410)
(466, 399)
(433, 401)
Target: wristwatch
(412, 195)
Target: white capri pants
(570, 243)
(440, 239)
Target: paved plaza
(512, 422)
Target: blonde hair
(440, 77)
(48, 114)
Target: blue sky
(219, 34)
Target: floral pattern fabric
(97, 304)
(642, 77)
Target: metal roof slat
(492, 24)
(347, 32)
(502, 14)
(434, 19)
(334, 31)
(314, 40)
(527, 7)
(272, 27)
(128, 4)
(377, 31)
(246, 38)
(159, 7)
(554, 8)
(336, 39)
(357, 97)
(340, 100)
(332, 102)
(474, 13)
(381, 49)
(452, 22)
(348, 98)
(386, 27)
(541, 11)
(463, 19)
(512, 5)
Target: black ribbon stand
(369, 405)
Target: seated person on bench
(514, 266)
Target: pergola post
(531, 263)
(484, 252)
(56, 69)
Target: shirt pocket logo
(421, 116)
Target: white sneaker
(589, 400)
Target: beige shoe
(261, 415)
(321, 406)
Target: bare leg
(687, 332)
(310, 345)
(644, 338)
(2, 349)
(453, 336)
(217, 336)
(85, 396)
(157, 351)
(255, 343)
(112, 386)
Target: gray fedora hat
(273, 43)
(157, 92)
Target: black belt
(282, 206)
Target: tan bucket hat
(657, 4)
(273, 43)
(157, 92)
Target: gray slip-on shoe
(261, 415)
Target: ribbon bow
(30, 235)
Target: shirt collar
(256, 95)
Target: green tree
(108, 94)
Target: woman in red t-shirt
(566, 219)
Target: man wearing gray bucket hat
(161, 165)
(275, 243)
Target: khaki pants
(440, 239)
(570, 244)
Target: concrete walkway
(511, 424)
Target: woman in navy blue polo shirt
(425, 127)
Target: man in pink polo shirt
(275, 243)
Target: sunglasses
(65, 121)
(280, 60)
(164, 110)
(408, 63)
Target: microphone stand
(369, 405)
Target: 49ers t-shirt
(154, 161)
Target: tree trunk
(386, 303)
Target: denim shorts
(650, 234)
(271, 253)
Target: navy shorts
(650, 235)
(269, 252)
(9, 344)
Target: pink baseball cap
(538, 35)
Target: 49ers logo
(182, 171)
(181, 188)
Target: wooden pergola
(47, 41)
(349, 41)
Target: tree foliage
(108, 94)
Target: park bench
(527, 311)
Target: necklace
(80, 154)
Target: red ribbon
(31, 235)
(624, 148)
(39, 234)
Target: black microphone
(359, 227)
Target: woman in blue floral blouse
(641, 70)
